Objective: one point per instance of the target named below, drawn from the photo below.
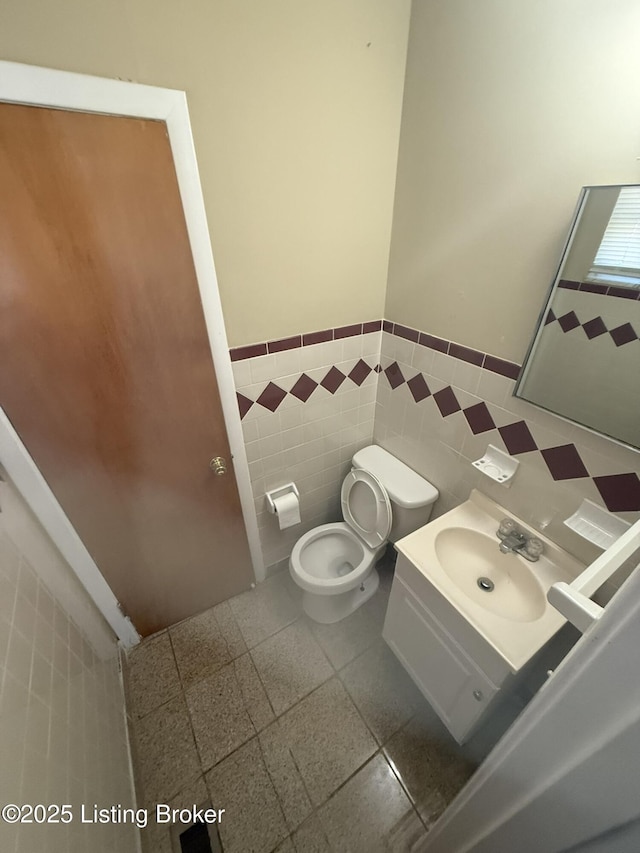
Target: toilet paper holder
(278, 493)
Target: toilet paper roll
(287, 510)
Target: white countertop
(516, 640)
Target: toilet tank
(412, 497)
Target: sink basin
(468, 555)
(512, 614)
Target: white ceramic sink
(454, 551)
(468, 556)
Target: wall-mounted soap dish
(596, 524)
(497, 465)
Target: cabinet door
(454, 686)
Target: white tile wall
(313, 442)
(442, 449)
(62, 724)
(310, 443)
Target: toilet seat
(366, 507)
(344, 539)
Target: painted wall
(295, 109)
(62, 720)
(509, 109)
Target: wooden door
(105, 366)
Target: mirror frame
(539, 326)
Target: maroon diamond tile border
(620, 492)
(360, 372)
(304, 388)
(479, 418)
(419, 388)
(333, 380)
(517, 438)
(271, 397)
(394, 375)
(564, 462)
(593, 328)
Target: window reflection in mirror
(584, 360)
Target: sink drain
(485, 584)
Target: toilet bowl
(334, 564)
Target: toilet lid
(366, 507)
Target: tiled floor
(311, 737)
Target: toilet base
(327, 609)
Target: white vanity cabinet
(459, 683)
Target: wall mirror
(584, 360)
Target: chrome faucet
(516, 541)
(513, 541)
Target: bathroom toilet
(382, 500)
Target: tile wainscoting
(435, 404)
(438, 412)
(306, 409)
(63, 736)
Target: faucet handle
(507, 526)
(534, 547)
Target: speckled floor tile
(230, 629)
(429, 764)
(253, 693)
(285, 775)
(220, 720)
(253, 820)
(156, 837)
(318, 753)
(199, 647)
(291, 664)
(370, 812)
(167, 752)
(448, 759)
(327, 738)
(382, 691)
(310, 837)
(152, 677)
(345, 640)
(263, 611)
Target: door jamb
(27, 84)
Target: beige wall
(510, 108)
(295, 107)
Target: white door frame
(27, 84)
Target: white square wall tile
(333, 352)
(371, 344)
(263, 368)
(352, 348)
(292, 437)
(241, 373)
(269, 424)
(290, 417)
(443, 367)
(466, 376)
(253, 451)
(288, 362)
(423, 359)
(250, 430)
(316, 355)
(492, 387)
